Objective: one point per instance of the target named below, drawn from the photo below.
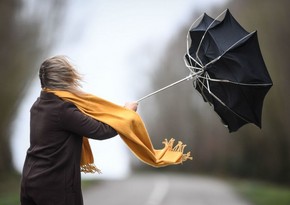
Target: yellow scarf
(129, 126)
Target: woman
(51, 173)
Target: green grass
(9, 189)
(260, 193)
(87, 183)
(9, 199)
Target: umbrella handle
(168, 86)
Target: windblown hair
(58, 73)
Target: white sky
(113, 43)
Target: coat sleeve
(73, 120)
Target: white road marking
(158, 192)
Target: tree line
(25, 39)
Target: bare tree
(22, 45)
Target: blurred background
(127, 49)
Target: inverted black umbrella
(228, 69)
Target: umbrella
(227, 68)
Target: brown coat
(51, 173)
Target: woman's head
(58, 73)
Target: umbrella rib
(187, 40)
(208, 89)
(200, 87)
(199, 45)
(193, 24)
(217, 58)
(191, 66)
(217, 98)
(187, 36)
(236, 83)
(198, 61)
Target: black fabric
(51, 173)
(226, 51)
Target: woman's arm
(73, 120)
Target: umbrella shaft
(168, 86)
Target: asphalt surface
(167, 189)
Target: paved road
(167, 189)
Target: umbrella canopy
(231, 73)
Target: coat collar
(47, 95)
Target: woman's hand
(131, 105)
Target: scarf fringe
(178, 148)
(90, 168)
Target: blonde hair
(58, 73)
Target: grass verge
(260, 193)
(9, 189)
